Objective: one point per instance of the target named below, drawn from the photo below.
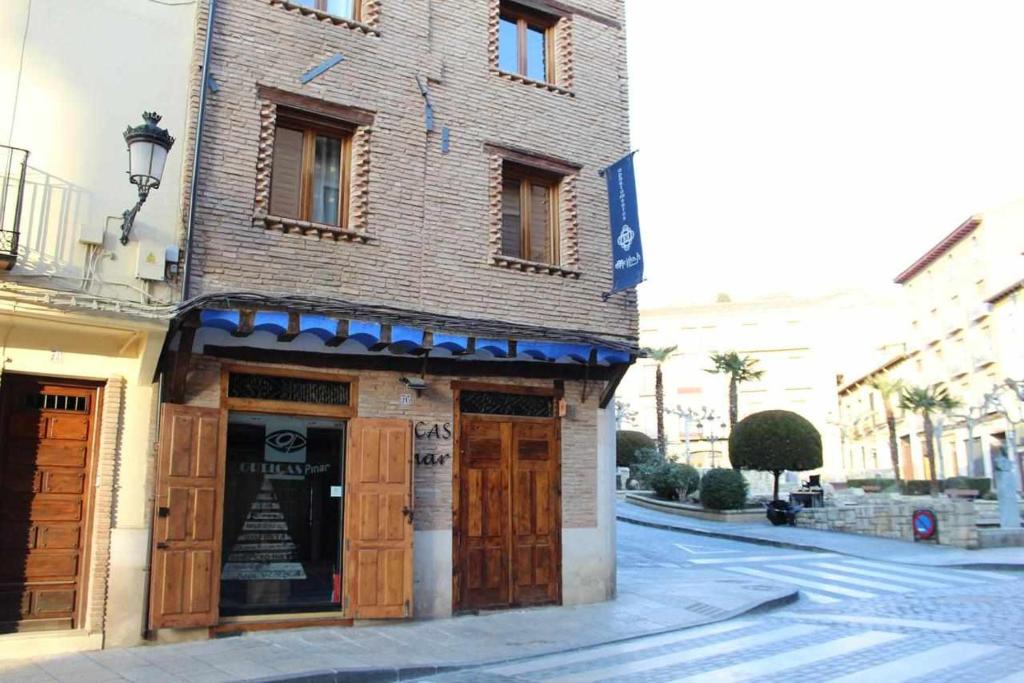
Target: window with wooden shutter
(529, 214)
(310, 171)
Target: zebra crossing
(818, 645)
(836, 578)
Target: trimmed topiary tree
(723, 489)
(670, 480)
(775, 441)
(627, 443)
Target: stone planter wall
(890, 517)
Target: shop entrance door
(508, 527)
(46, 446)
(281, 544)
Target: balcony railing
(13, 166)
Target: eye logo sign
(286, 440)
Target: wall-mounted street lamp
(148, 146)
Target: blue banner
(627, 253)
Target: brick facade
(378, 396)
(427, 212)
(109, 422)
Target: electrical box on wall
(92, 234)
(150, 264)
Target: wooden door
(508, 524)
(185, 569)
(46, 453)
(906, 459)
(535, 513)
(378, 519)
(482, 523)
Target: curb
(755, 540)
(409, 673)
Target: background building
(802, 345)
(964, 308)
(82, 317)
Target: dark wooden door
(508, 525)
(187, 522)
(535, 513)
(378, 519)
(46, 453)
(482, 523)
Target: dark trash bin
(780, 512)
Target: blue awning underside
(303, 325)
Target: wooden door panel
(378, 519)
(68, 427)
(34, 452)
(185, 568)
(483, 522)
(535, 512)
(63, 482)
(45, 443)
(54, 537)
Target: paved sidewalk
(869, 547)
(651, 600)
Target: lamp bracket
(128, 217)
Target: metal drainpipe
(193, 189)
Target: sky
(804, 146)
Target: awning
(333, 333)
(338, 324)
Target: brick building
(386, 393)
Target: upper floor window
(529, 214)
(310, 176)
(346, 9)
(525, 43)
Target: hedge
(627, 443)
(671, 480)
(884, 484)
(723, 489)
(922, 487)
(980, 484)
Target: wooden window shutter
(378, 519)
(286, 174)
(185, 568)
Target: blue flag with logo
(627, 253)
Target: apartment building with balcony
(83, 317)
(386, 394)
(963, 299)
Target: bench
(969, 494)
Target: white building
(802, 345)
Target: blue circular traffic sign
(925, 525)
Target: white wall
(74, 75)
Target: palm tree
(740, 369)
(659, 356)
(889, 387)
(928, 400)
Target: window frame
(311, 126)
(528, 177)
(523, 18)
(321, 6)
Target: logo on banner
(626, 236)
(286, 441)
